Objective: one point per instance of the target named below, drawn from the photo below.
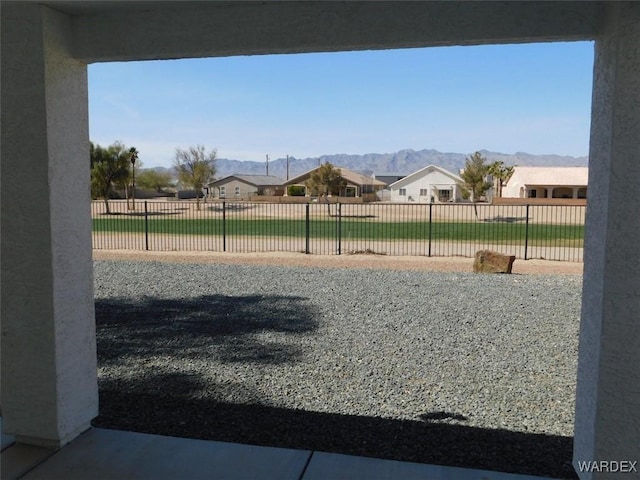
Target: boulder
(487, 261)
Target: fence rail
(553, 232)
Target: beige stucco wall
(608, 394)
(49, 379)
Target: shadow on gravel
(442, 417)
(187, 406)
(226, 328)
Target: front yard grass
(351, 229)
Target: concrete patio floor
(101, 454)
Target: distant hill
(403, 162)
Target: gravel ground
(450, 368)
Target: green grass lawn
(350, 229)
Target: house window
(403, 192)
(424, 192)
(445, 195)
(237, 191)
(532, 193)
(223, 191)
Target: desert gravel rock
(385, 262)
(445, 367)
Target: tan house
(358, 185)
(547, 182)
(238, 186)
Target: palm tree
(133, 156)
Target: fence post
(146, 227)
(306, 231)
(339, 228)
(526, 232)
(224, 226)
(430, 212)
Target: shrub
(295, 191)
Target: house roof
(424, 171)
(574, 176)
(350, 176)
(256, 180)
(389, 178)
(389, 174)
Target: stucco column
(49, 381)
(607, 426)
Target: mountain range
(403, 162)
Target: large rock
(487, 261)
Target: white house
(431, 184)
(547, 182)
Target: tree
(498, 171)
(154, 180)
(326, 180)
(295, 191)
(109, 166)
(474, 177)
(135, 165)
(128, 184)
(195, 168)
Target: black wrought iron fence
(553, 232)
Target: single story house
(389, 178)
(358, 185)
(239, 186)
(547, 182)
(431, 184)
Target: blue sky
(532, 98)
